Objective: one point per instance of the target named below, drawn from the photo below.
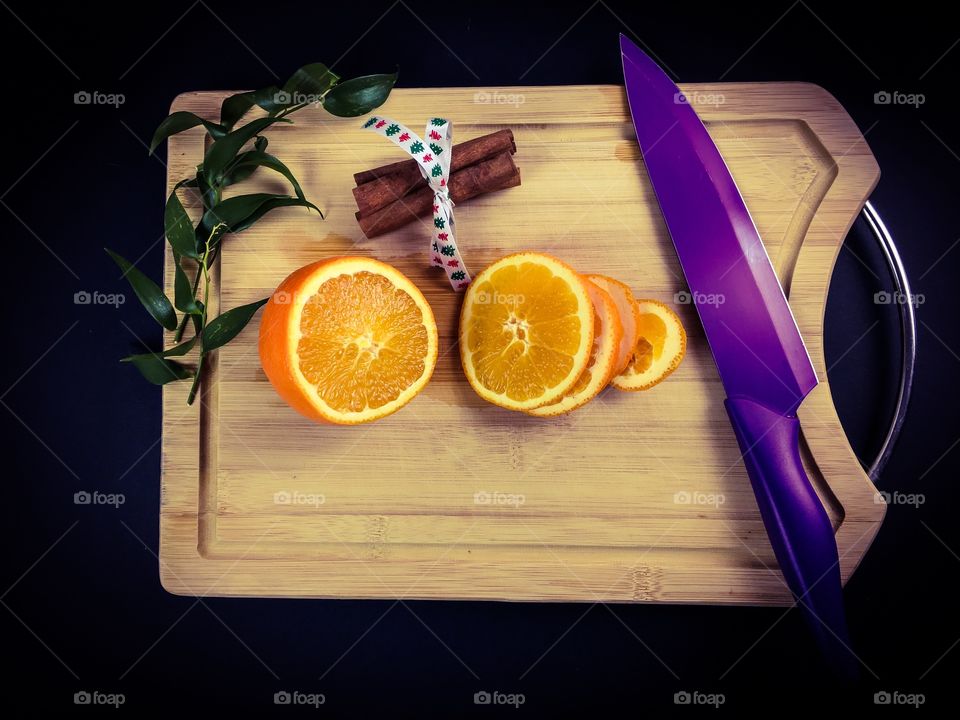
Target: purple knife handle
(797, 524)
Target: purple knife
(756, 345)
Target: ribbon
(433, 158)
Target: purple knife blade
(763, 364)
(751, 329)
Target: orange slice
(627, 308)
(607, 333)
(526, 331)
(661, 345)
(348, 340)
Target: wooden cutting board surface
(636, 497)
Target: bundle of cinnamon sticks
(394, 195)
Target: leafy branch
(234, 154)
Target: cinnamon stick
(501, 139)
(495, 173)
(381, 186)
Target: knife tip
(627, 45)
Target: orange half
(348, 340)
(526, 331)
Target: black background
(86, 612)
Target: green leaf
(236, 106)
(197, 321)
(176, 351)
(311, 80)
(232, 175)
(242, 211)
(178, 228)
(228, 325)
(178, 122)
(158, 370)
(183, 298)
(150, 294)
(248, 162)
(240, 169)
(358, 96)
(314, 79)
(209, 195)
(222, 152)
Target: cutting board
(636, 497)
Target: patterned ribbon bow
(433, 158)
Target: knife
(763, 364)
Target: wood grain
(636, 497)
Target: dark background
(82, 605)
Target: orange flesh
(652, 336)
(524, 339)
(363, 342)
(586, 376)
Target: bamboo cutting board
(636, 497)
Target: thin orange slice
(661, 345)
(348, 340)
(526, 331)
(607, 332)
(627, 308)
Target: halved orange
(526, 330)
(607, 333)
(661, 345)
(627, 308)
(348, 340)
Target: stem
(292, 109)
(205, 272)
(196, 381)
(178, 336)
